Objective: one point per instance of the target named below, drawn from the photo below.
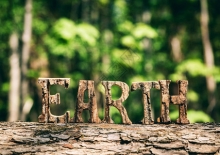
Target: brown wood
(47, 99)
(165, 101)
(146, 86)
(81, 138)
(181, 100)
(91, 106)
(116, 103)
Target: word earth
(146, 86)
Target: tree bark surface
(84, 138)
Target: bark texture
(146, 87)
(91, 105)
(46, 116)
(116, 103)
(82, 138)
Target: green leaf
(126, 27)
(142, 30)
(128, 41)
(65, 29)
(88, 33)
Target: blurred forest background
(123, 40)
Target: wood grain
(90, 138)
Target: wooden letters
(91, 106)
(47, 99)
(145, 86)
(116, 103)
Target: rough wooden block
(181, 101)
(116, 103)
(47, 99)
(90, 138)
(165, 101)
(146, 86)
(91, 105)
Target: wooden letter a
(91, 106)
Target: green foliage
(142, 30)
(216, 74)
(125, 27)
(128, 41)
(193, 116)
(5, 87)
(119, 40)
(88, 33)
(135, 33)
(104, 2)
(120, 11)
(67, 37)
(32, 73)
(65, 29)
(39, 26)
(193, 67)
(192, 96)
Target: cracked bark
(91, 105)
(84, 138)
(47, 99)
(116, 103)
(146, 87)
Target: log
(91, 138)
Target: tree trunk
(208, 55)
(86, 11)
(37, 138)
(14, 92)
(176, 49)
(26, 38)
